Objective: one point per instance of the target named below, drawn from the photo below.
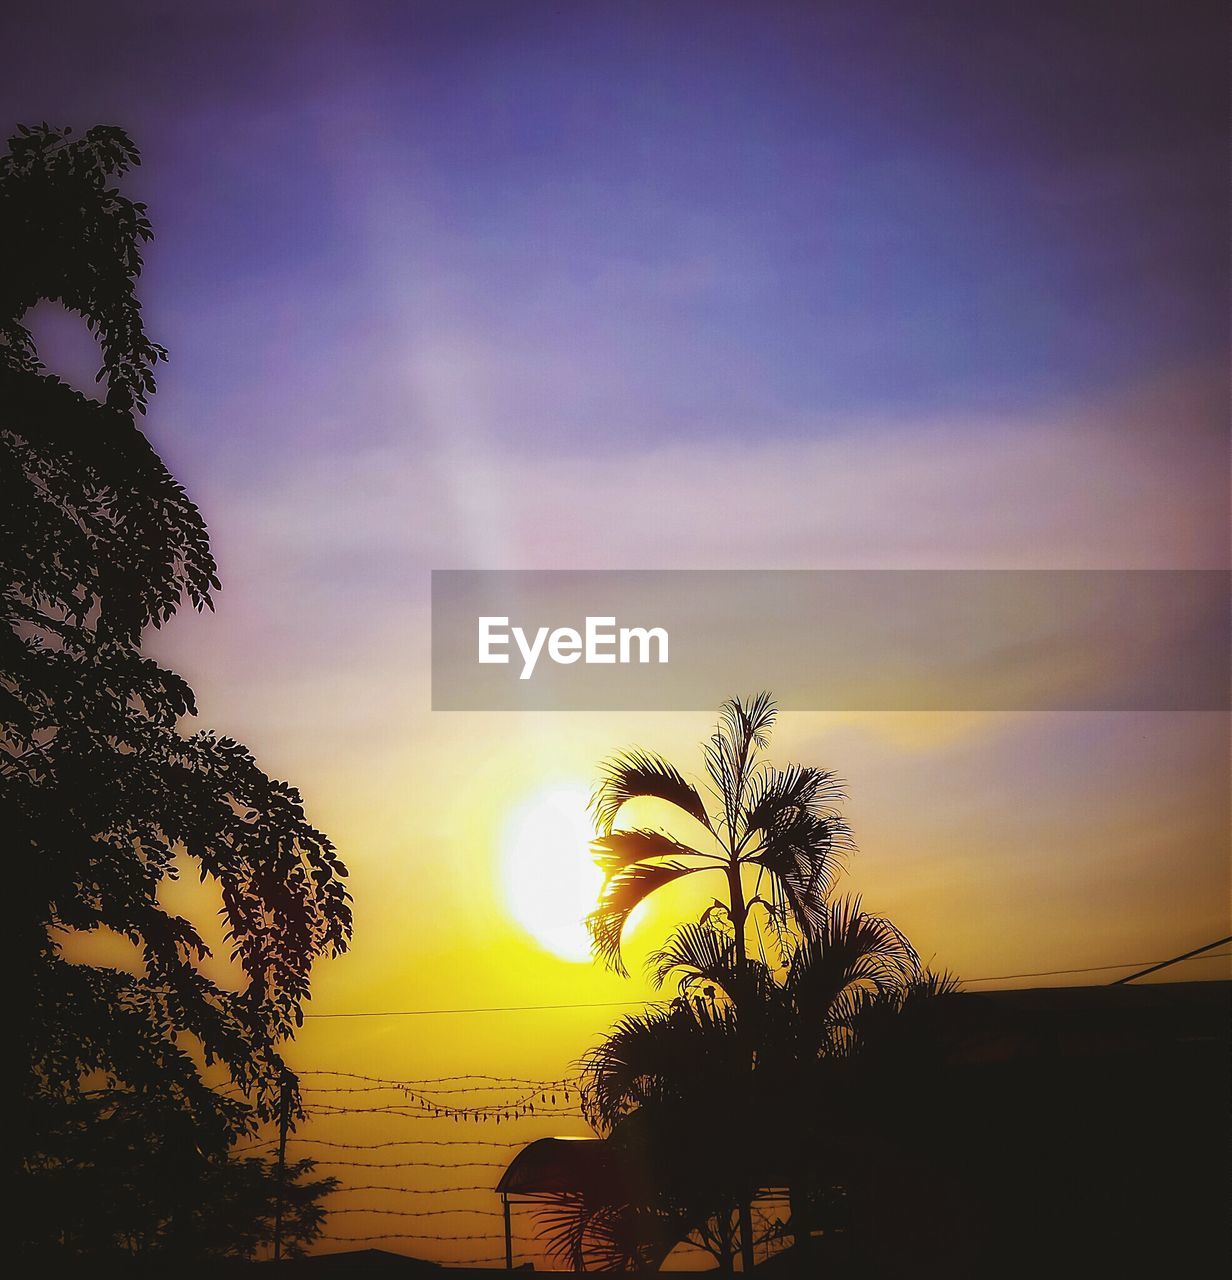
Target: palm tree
(663, 1084)
(782, 824)
(847, 998)
(662, 1088)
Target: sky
(674, 286)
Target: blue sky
(728, 219)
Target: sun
(551, 882)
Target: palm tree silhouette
(664, 1084)
(780, 823)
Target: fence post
(284, 1116)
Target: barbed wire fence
(414, 1169)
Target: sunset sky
(674, 286)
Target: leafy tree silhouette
(117, 1176)
(103, 795)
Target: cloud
(1135, 482)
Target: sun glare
(551, 883)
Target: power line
(1163, 964)
(415, 1235)
(420, 1213)
(495, 1008)
(408, 1164)
(408, 1083)
(415, 1191)
(412, 1087)
(613, 1004)
(415, 1106)
(409, 1142)
(513, 1111)
(1096, 968)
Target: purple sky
(675, 285)
(722, 218)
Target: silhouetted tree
(840, 1001)
(837, 1002)
(781, 825)
(662, 1088)
(105, 797)
(116, 1175)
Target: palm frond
(561, 1225)
(805, 861)
(620, 849)
(893, 1023)
(751, 720)
(696, 954)
(848, 949)
(779, 930)
(665, 1059)
(617, 1071)
(797, 787)
(636, 773)
(590, 1233)
(932, 983)
(622, 891)
(743, 729)
(799, 837)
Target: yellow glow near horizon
(551, 883)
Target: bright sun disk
(551, 881)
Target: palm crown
(780, 822)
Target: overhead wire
(612, 1004)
